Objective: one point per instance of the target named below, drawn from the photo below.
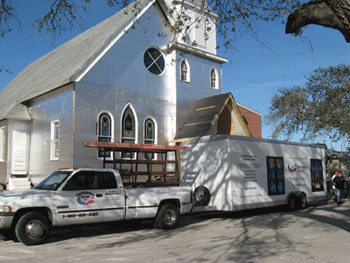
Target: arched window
(150, 135)
(150, 132)
(104, 130)
(128, 126)
(184, 71)
(214, 79)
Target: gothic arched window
(104, 130)
(128, 126)
(214, 79)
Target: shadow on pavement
(323, 213)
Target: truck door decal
(85, 198)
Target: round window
(154, 61)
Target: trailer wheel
(302, 201)
(201, 196)
(32, 228)
(293, 202)
(168, 217)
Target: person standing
(333, 186)
(338, 182)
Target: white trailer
(230, 173)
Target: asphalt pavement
(316, 234)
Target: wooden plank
(130, 147)
(126, 161)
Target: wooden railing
(136, 160)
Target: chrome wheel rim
(170, 217)
(34, 229)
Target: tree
(234, 15)
(321, 108)
(329, 13)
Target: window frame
(84, 176)
(154, 140)
(213, 79)
(187, 70)
(277, 171)
(2, 144)
(124, 139)
(148, 55)
(150, 141)
(316, 165)
(111, 130)
(55, 140)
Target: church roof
(70, 61)
(204, 115)
(64, 64)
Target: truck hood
(23, 194)
(18, 199)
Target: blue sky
(253, 74)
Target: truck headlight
(5, 208)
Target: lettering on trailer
(249, 165)
(296, 168)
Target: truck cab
(83, 196)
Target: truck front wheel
(32, 228)
(168, 217)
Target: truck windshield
(53, 181)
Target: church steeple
(193, 23)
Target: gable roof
(204, 115)
(70, 61)
(66, 63)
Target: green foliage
(321, 108)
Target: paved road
(316, 234)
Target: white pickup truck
(81, 196)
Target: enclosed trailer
(231, 173)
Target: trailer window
(316, 175)
(275, 176)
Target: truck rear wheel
(201, 196)
(32, 228)
(168, 217)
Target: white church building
(128, 79)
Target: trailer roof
(218, 137)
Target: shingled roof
(71, 60)
(64, 64)
(204, 115)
